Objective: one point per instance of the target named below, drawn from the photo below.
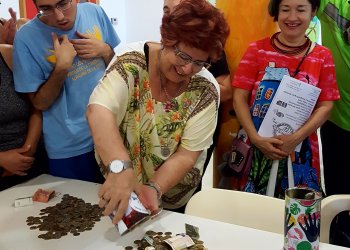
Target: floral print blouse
(152, 130)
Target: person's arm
(329, 93)
(318, 117)
(50, 90)
(172, 171)
(89, 47)
(266, 145)
(225, 87)
(17, 161)
(35, 119)
(175, 168)
(116, 190)
(34, 131)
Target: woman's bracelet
(156, 187)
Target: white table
(15, 233)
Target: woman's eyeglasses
(186, 59)
(61, 6)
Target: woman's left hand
(148, 197)
(289, 143)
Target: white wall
(137, 19)
(116, 9)
(143, 19)
(5, 5)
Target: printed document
(290, 108)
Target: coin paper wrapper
(134, 215)
(302, 219)
(22, 202)
(42, 195)
(180, 242)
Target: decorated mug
(302, 219)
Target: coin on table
(70, 215)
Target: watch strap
(126, 164)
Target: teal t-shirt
(335, 20)
(66, 131)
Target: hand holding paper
(290, 108)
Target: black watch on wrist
(117, 166)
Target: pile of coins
(155, 241)
(71, 215)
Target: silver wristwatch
(117, 166)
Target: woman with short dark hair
(288, 52)
(274, 7)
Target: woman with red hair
(155, 111)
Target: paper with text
(290, 108)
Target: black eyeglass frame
(61, 6)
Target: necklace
(291, 50)
(162, 85)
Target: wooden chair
(330, 207)
(240, 208)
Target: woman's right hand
(15, 161)
(115, 193)
(269, 147)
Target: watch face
(116, 166)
